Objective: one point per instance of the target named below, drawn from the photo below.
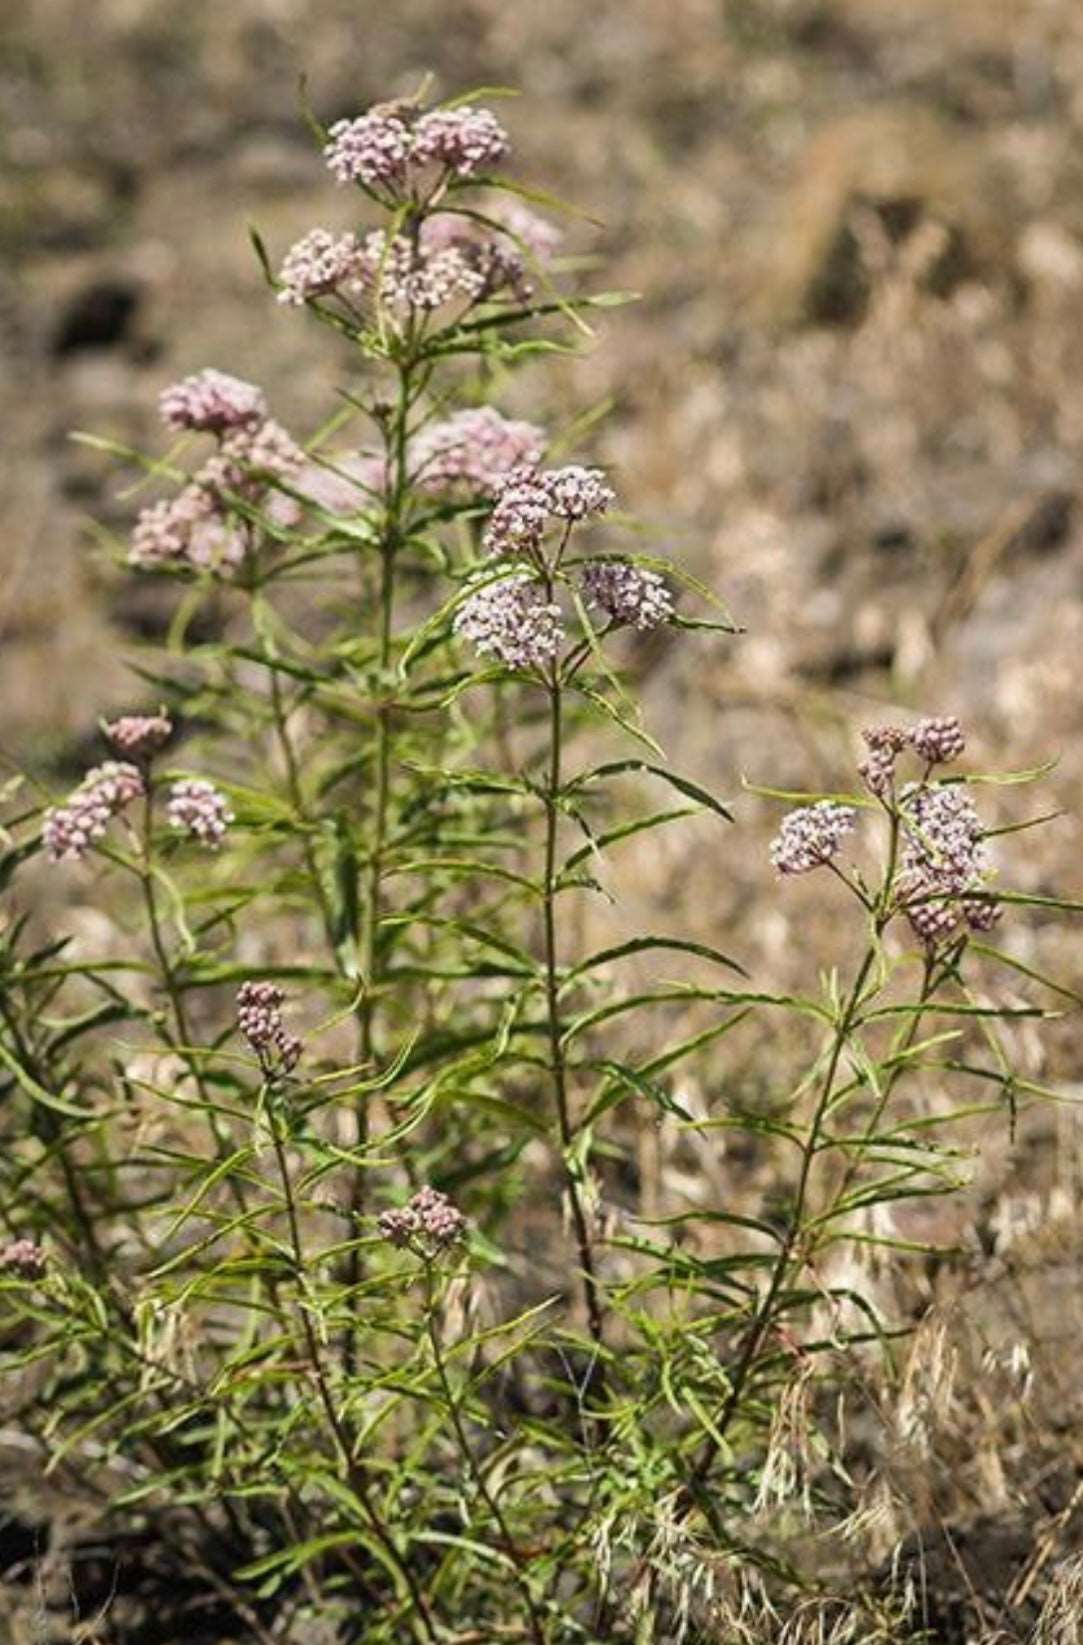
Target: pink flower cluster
(255, 456)
(943, 869)
(211, 402)
(531, 498)
(389, 145)
(429, 1224)
(69, 830)
(627, 594)
(318, 264)
(474, 450)
(944, 863)
(199, 809)
(512, 621)
(139, 735)
(936, 741)
(811, 836)
(452, 258)
(259, 1018)
(23, 1258)
(464, 140)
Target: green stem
(295, 790)
(396, 444)
(555, 1028)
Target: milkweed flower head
(374, 148)
(196, 528)
(811, 836)
(530, 499)
(576, 493)
(392, 143)
(164, 531)
(944, 863)
(211, 402)
(944, 834)
(318, 264)
(465, 140)
(474, 451)
(428, 1225)
(139, 735)
(447, 263)
(512, 621)
(69, 830)
(197, 808)
(23, 1258)
(399, 276)
(884, 743)
(938, 741)
(628, 594)
(259, 1018)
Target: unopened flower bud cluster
(138, 736)
(429, 1224)
(259, 1018)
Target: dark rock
(98, 316)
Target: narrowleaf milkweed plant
(321, 1255)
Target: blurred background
(851, 397)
